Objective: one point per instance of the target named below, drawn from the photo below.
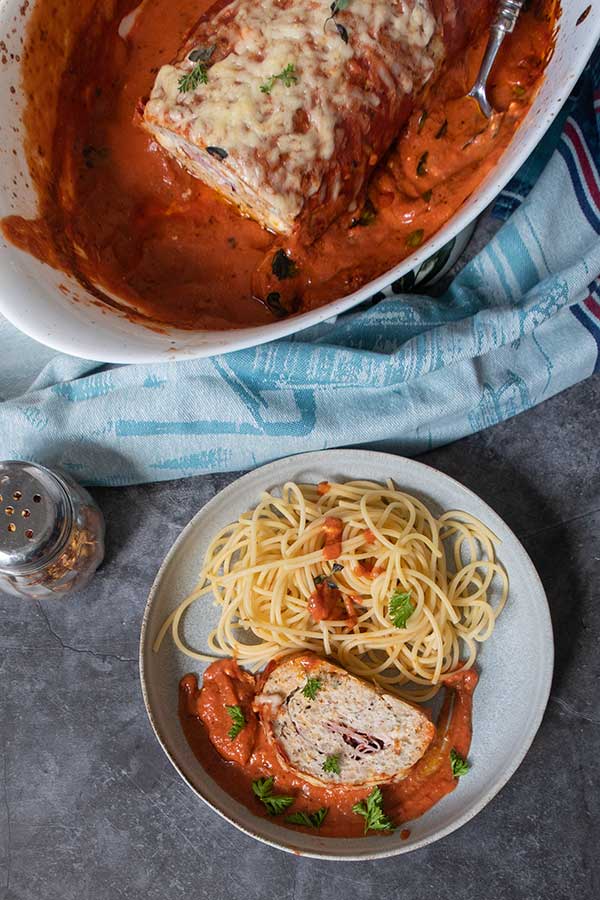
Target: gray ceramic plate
(515, 664)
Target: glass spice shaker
(51, 532)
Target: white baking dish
(30, 294)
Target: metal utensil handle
(504, 22)
(507, 15)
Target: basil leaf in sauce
(442, 130)
(343, 33)
(367, 216)
(415, 238)
(283, 266)
(422, 164)
(273, 302)
(217, 152)
(202, 54)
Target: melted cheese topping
(267, 150)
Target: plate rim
(546, 675)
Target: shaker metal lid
(36, 516)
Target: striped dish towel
(520, 323)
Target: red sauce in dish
(235, 764)
(134, 228)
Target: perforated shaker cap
(36, 516)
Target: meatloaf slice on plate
(336, 728)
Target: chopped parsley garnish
(459, 765)
(372, 810)
(319, 579)
(401, 608)
(339, 5)
(332, 764)
(275, 803)
(198, 75)
(427, 196)
(415, 238)
(422, 119)
(422, 164)
(311, 688)
(287, 76)
(311, 820)
(193, 79)
(283, 266)
(337, 567)
(238, 719)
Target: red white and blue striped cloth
(579, 150)
(520, 323)
(575, 136)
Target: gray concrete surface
(90, 808)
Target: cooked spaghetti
(358, 571)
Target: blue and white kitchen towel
(520, 323)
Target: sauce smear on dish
(235, 763)
(133, 227)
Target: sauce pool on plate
(234, 763)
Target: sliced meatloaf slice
(330, 727)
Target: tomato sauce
(332, 528)
(135, 229)
(235, 763)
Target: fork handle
(503, 23)
(507, 15)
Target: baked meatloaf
(330, 727)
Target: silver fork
(503, 23)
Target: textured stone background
(90, 808)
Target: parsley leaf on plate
(372, 810)
(459, 765)
(274, 803)
(238, 719)
(277, 804)
(310, 820)
(263, 787)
